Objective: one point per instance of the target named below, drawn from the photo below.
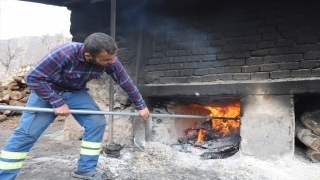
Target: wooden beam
(96, 1)
(71, 2)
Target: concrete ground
(53, 159)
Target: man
(59, 81)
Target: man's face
(103, 59)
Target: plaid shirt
(65, 69)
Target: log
(16, 103)
(13, 83)
(312, 120)
(313, 155)
(221, 154)
(27, 90)
(24, 99)
(3, 118)
(14, 87)
(5, 99)
(19, 79)
(189, 134)
(7, 112)
(2, 88)
(16, 95)
(309, 139)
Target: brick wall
(207, 41)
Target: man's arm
(120, 76)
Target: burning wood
(220, 137)
(189, 135)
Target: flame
(222, 127)
(201, 135)
(228, 111)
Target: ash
(52, 158)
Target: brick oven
(260, 53)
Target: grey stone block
(289, 66)
(279, 74)
(243, 76)
(262, 52)
(200, 72)
(301, 73)
(266, 44)
(260, 76)
(267, 126)
(269, 67)
(252, 68)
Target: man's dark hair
(98, 42)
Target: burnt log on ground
(223, 153)
(188, 135)
(311, 120)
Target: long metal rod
(111, 90)
(75, 111)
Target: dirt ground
(53, 159)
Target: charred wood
(189, 134)
(227, 152)
(219, 144)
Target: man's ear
(87, 56)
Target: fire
(220, 127)
(228, 111)
(201, 135)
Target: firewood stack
(16, 93)
(308, 132)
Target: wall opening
(212, 138)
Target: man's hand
(62, 110)
(144, 113)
